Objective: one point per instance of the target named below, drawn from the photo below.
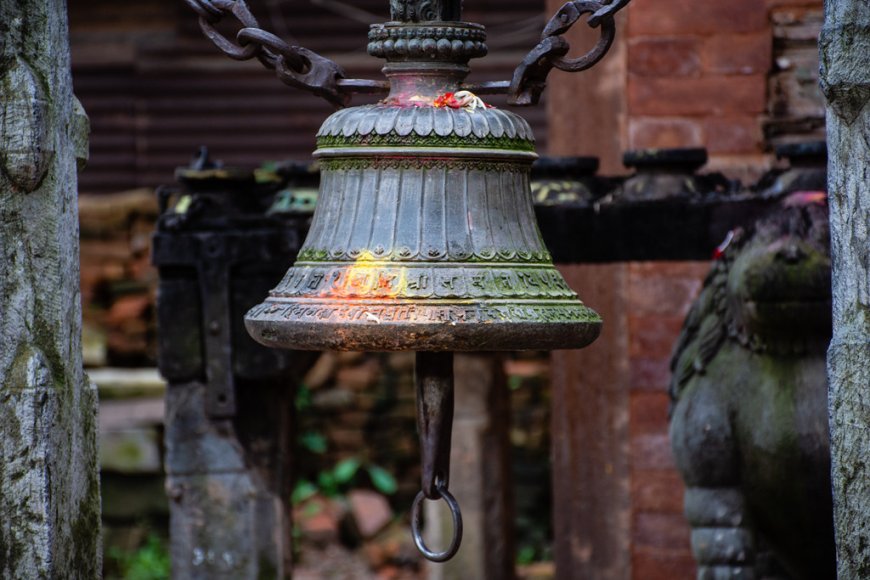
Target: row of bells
(424, 238)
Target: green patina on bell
(424, 236)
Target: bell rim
(269, 327)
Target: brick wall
(697, 74)
(658, 297)
(736, 77)
(618, 497)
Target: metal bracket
(213, 268)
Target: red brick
(371, 511)
(658, 133)
(134, 307)
(651, 452)
(669, 57)
(656, 565)
(653, 336)
(733, 134)
(668, 17)
(708, 96)
(682, 269)
(663, 296)
(659, 490)
(347, 440)
(739, 54)
(648, 413)
(318, 519)
(358, 377)
(650, 373)
(660, 531)
(527, 369)
(666, 288)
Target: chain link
(294, 65)
(530, 77)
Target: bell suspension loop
(433, 374)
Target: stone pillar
(845, 79)
(479, 477)
(228, 483)
(49, 486)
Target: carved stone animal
(749, 424)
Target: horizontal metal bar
(488, 88)
(363, 86)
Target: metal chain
(530, 77)
(567, 16)
(294, 65)
(301, 68)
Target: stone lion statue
(749, 425)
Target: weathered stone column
(845, 79)
(49, 488)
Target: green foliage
(336, 481)
(313, 442)
(526, 555)
(345, 470)
(303, 398)
(540, 551)
(149, 562)
(382, 480)
(341, 477)
(327, 483)
(303, 490)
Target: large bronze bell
(424, 236)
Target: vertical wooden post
(845, 80)
(49, 485)
(479, 476)
(591, 480)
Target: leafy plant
(336, 481)
(313, 442)
(382, 480)
(149, 562)
(526, 555)
(303, 398)
(303, 490)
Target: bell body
(424, 236)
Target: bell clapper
(433, 375)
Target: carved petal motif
(25, 151)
